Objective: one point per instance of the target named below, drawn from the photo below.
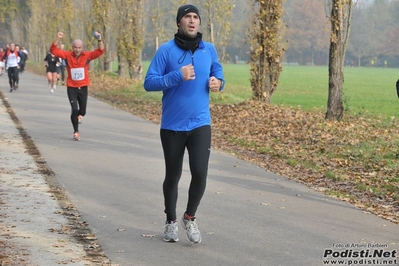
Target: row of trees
(129, 26)
(374, 32)
(374, 28)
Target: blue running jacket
(185, 104)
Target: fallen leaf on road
(144, 235)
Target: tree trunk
(130, 38)
(266, 50)
(122, 66)
(136, 70)
(335, 108)
(312, 56)
(104, 63)
(340, 26)
(107, 32)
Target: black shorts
(51, 69)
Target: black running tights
(198, 144)
(78, 100)
(13, 76)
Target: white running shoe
(193, 234)
(76, 136)
(170, 232)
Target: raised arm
(60, 35)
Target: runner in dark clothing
(51, 63)
(62, 67)
(22, 62)
(186, 69)
(11, 59)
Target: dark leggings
(13, 76)
(62, 68)
(78, 100)
(198, 143)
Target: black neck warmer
(187, 43)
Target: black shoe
(11, 90)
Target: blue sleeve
(216, 68)
(160, 76)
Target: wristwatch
(221, 83)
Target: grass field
(370, 90)
(366, 91)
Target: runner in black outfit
(51, 63)
(11, 58)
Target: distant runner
(51, 63)
(77, 64)
(11, 59)
(2, 64)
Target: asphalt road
(248, 216)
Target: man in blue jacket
(185, 69)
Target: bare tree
(158, 23)
(101, 10)
(307, 30)
(341, 13)
(43, 24)
(8, 11)
(219, 20)
(266, 49)
(130, 38)
(361, 43)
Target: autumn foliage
(354, 159)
